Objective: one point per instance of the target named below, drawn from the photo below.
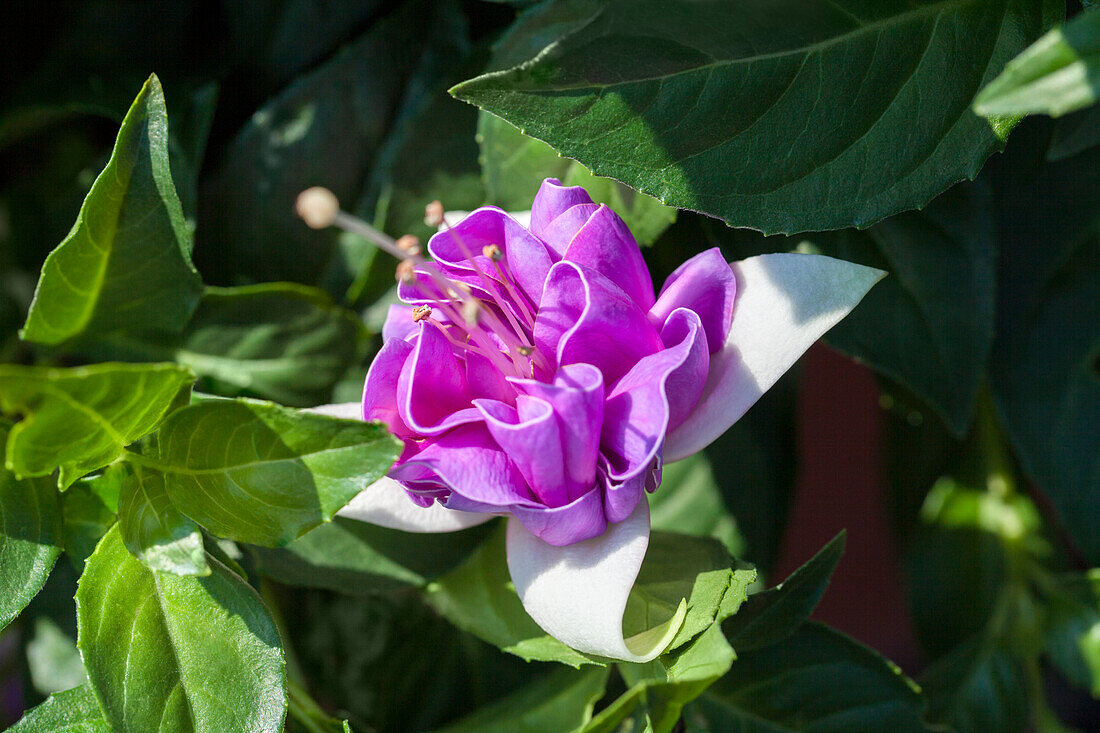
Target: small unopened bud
(408, 244)
(492, 252)
(318, 207)
(433, 214)
(406, 271)
(469, 312)
(525, 350)
(421, 312)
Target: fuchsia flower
(533, 373)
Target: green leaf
(30, 538)
(71, 711)
(776, 613)
(689, 501)
(929, 324)
(1073, 628)
(514, 166)
(815, 680)
(325, 129)
(259, 473)
(53, 659)
(980, 686)
(154, 531)
(1075, 133)
(181, 653)
(89, 509)
(559, 701)
(279, 341)
(1058, 74)
(478, 596)
(1044, 376)
(81, 419)
(769, 125)
(126, 265)
(349, 556)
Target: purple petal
(551, 201)
(486, 381)
(706, 285)
(529, 434)
(399, 323)
(586, 318)
(380, 389)
(577, 397)
(606, 245)
(641, 406)
(581, 519)
(470, 463)
(525, 257)
(432, 393)
(560, 232)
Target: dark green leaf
(53, 659)
(154, 531)
(815, 680)
(929, 324)
(1075, 133)
(180, 653)
(279, 341)
(126, 265)
(30, 538)
(560, 701)
(689, 501)
(81, 419)
(978, 687)
(1057, 74)
(349, 556)
(1073, 628)
(776, 613)
(71, 711)
(324, 129)
(765, 113)
(1045, 380)
(515, 165)
(264, 474)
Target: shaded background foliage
(985, 340)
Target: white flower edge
(784, 303)
(578, 593)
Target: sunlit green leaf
(126, 265)
(71, 711)
(154, 530)
(180, 653)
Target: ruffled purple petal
(587, 318)
(525, 256)
(380, 389)
(486, 381)
(432, 393)
(706, 285)
(606, 245)
(577, 397)
(529, 434)
(551, 201)
(581, 519)
(470, 463)
(639, 409)
(560, 232)
(399, 323)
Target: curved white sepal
(386, 504)
(784, 303)
(346, 410)
(577, 593)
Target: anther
(318, 207)
(525, 350)
(409, 244)
(469, 311)
(406, 271)
(492, 252)
(421, 312)
(433, 214)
